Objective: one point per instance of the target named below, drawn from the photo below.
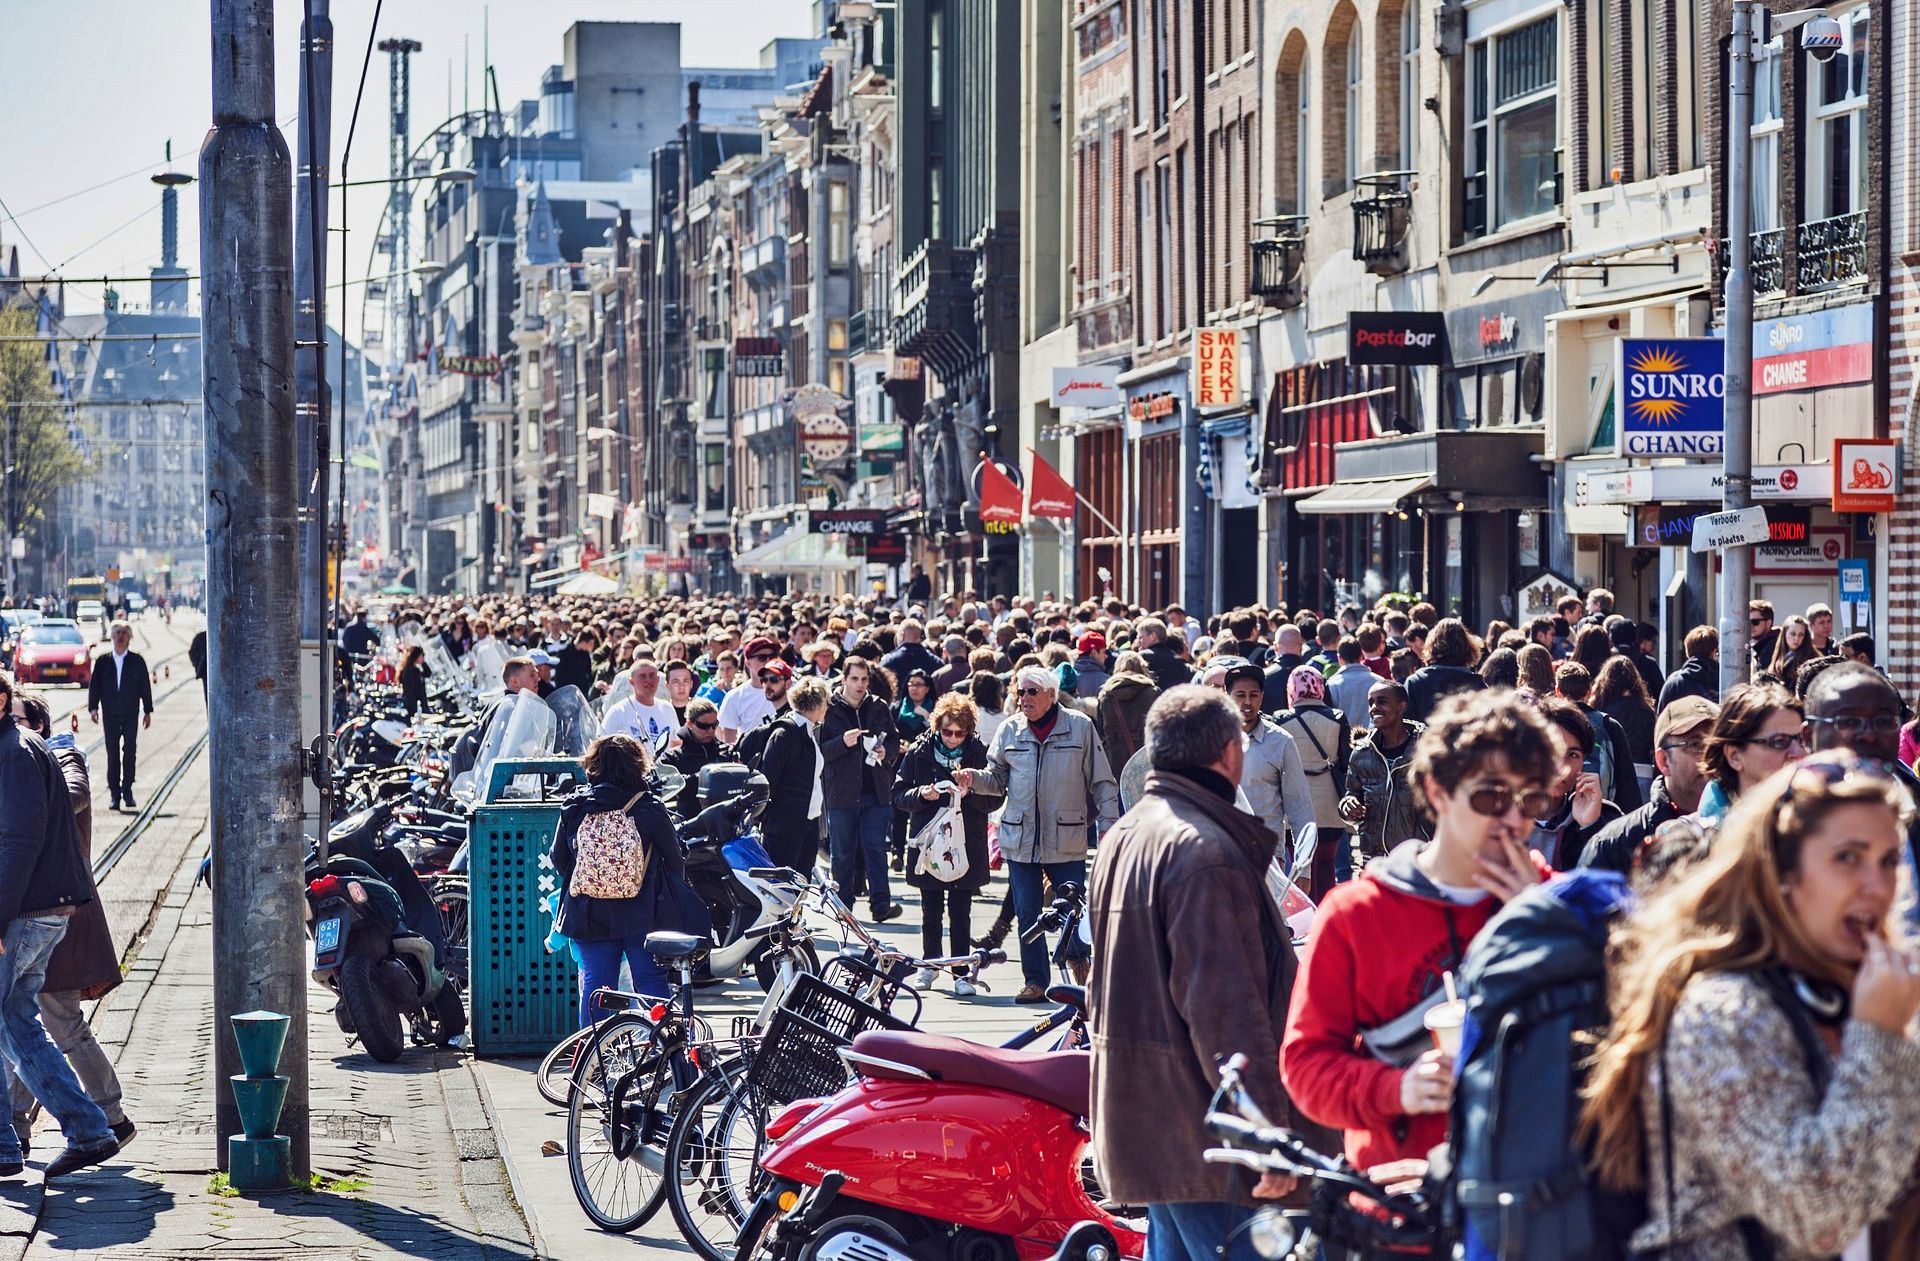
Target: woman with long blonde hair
(1756, 1080)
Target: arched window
(1292, 136)
(1341, 77)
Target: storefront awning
(1360, 498)
(794, 551)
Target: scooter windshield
(443, 672)
(522, 728)
(488, 658)
(575, 724)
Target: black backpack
(1519, 1186)
(1535, 985)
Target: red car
(53, 652)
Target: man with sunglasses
(1051, 768)
(1761, 634)
(1679, 740)
(699, 745)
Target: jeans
(857, 840)
(67, 1026)
(958, 907)
(1028, 897)
(1342, 843)
(600, 969)
(25, 1048)
(1195, 1232)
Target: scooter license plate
(326, 937)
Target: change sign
(1671, 396)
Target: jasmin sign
(1087, 385)
(1216, 367)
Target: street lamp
(1821, 38)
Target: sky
(95, 89)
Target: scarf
(947, 758)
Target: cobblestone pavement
(406, 1147)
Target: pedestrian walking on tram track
(120, 698)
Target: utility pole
(1736, 563)
(253, 599)
(6, 506)
(313, 411)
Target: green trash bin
(521, 998)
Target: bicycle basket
(799, 1057)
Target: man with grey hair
(1192, 962)
(1050, 766)
(1155, 643)
(952, 674)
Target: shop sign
(1396, 337)
(1216, 367)
(1816, 349)
(1153, 406)
(1088, 385)
(759, 357)
(1672, 395)
(1823, 551)
(819, 417)
(1498, 333)
(1672, 525)
(882, 438)
(1703, 484)
(887, 549)
(1863, 474)
(861, 521)
(1742, 527)
(1538, 598)
(471, 365)
(1856, 586)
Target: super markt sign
(1670, 396)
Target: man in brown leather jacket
(1192, 963)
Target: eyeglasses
(1833, 771)
(1757, 621)
(1684, 746)
(706, 726)
(1031, 691)
(955, 733)
(1779, 743)
(768, 676)
(1493, 800)
(1860, 724)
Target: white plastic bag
(943, 843)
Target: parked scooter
(382, 959)
(746, 893)
(997, 1137)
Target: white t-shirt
(643, 722)
(745, 708)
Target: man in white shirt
(747, 706)
(643, 715)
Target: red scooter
(944, 1150)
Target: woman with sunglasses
(950, 744)
(1760, 729)
(1357, 1054)
(1758, 1040)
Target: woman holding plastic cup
(1368, 1026)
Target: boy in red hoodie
(1356, 1054)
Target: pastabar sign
(1671, 396)
(1412, 338)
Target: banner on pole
(1051, 495)
(999, 500)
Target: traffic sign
(1742, 527)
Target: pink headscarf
(1306, 683)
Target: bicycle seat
(1061, 1078)
(677, 946)
(1074, 996)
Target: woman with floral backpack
(614, 847)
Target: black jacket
(197, 654)
(788, 765)
(574, 665)
(1695, 677)
(120, 697)
(1613, 846)
(1165, 665)
(1273, 691)
(413, 689)
(688, 759)
(1626, 784)
(907, 658)
(1429, 685)
(1649, 669)
(611, 919)
(40, 864)
(919, 768)
(846, 770)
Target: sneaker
(893, 911)
(124, 1131)
(963, 988)
(1031, 994)
(75, 1159)
(921, 980)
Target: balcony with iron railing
(1767, 263)
(870, 329)
(1277, 260)
(1382, 215)
(1830, 252)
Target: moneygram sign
(1671, 396)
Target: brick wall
(1899, 638)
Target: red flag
(1050, 495)
(999, 497)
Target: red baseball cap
(1093, 641)
(759, 646)
(779, 667)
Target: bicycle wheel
(617, 1122)
(713, 1160)
(556, 1071)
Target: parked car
(53, 652)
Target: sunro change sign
(1670, 396)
